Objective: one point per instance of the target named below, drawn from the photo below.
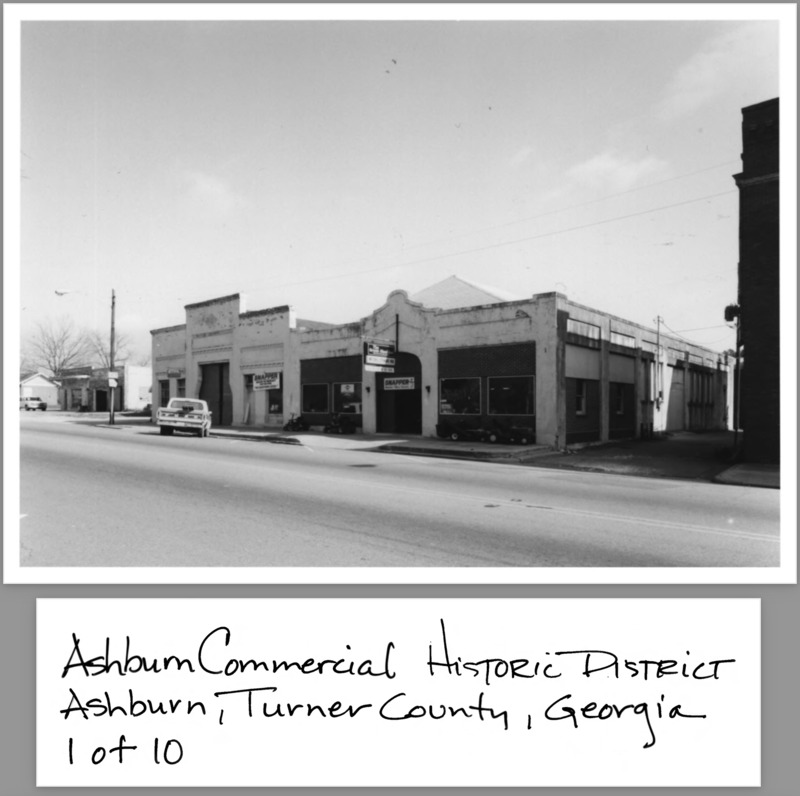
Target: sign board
(267, 381)
(172, 373)
(112, 383)
(400, 383)
(378, 349)
(112, 374)
(378, 357)
(373, 360)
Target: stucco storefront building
(569, 373)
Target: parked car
(184, 414)
(29, 403)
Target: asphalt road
(129, 497)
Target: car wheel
(166, 431)
(455, 436)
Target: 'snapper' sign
(267, 381)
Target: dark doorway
(215, 390)
(399, 400)
(101, 401)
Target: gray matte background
(780, 703)
(780, 771)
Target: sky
(325, 163)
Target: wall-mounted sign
(173, 373)
(347, 389)
(267, 381)
(378, 357)
(370, 359)
(400, 383)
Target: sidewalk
(408, 445)
(680, 455)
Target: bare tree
(57, 346)
(100, 346)
(26, 364)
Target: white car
(184, 414)
(29, 404)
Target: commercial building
(86, 389)
(567, 372)
(759, 282)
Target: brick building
(759, 262)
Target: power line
(490, 246)
(571, 207)
(508, 224)
(705, 328)
(677, 334)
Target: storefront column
(604, 386)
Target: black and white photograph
(392, 296)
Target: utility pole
(659, 388)
(112, 380)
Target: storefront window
(163, 392)
(512, 395)
(347, 397)
(460, 396)
(580, 397)
(619, 399)
(315, 398)
(275, 402)
(181, 388)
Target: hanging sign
(378, 357)
(373, 360)
(267, 381)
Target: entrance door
(675, 421)
(400, 397)
(215, 390)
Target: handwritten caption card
(398, 692)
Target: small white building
(37, 385)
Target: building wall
(759, 283)
(220, 333)
(136, 382)
(39, 386)
(556, 342)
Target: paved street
(125, 496)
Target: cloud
(521, 157)
(614, 172)
(744, 58)
(212, 193)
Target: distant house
(37, 385)
(759, 297)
